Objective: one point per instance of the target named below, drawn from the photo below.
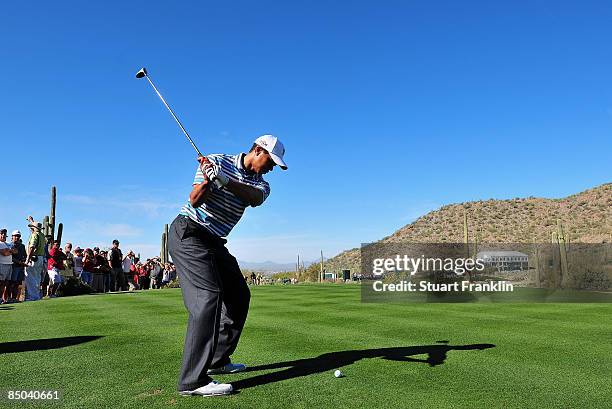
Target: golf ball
(338, 373)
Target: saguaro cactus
(60, 230)
(46, 226)
(162, 252)
(476, 239)
(536, 263)
(322, 275)
(167, 254)
(52, 214)
(563, 254)
(466, 236)
(466, 241)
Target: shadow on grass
(436, 355)
(6, 308)
(43, 344)
(116, 292)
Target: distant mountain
(586, 217)
(269, 266)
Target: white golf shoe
(225, 369)
(214, 388)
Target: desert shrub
(590, 280)
(173, 284)
(73, 286)
(286, 274)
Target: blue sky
(387, 109)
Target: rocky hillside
(586, 216)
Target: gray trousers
(118, 281)
(216, 296)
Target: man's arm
(249, 194)
(199, 194)
(29, 252)
(246, 193)
(201, 191)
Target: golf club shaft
(174, 115)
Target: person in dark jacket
(19, 265)
(115, 262)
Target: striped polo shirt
(222, 210)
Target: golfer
(214, 290)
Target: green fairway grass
(495, 355)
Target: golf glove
(214, 173)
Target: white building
(507, 260)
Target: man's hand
(248, 194)
(213, 172)
(210, 171)
(200, 192)
(203, 161)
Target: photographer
(89, 266)
(19, 265)
(143, 275)
(127, 265)
(6, 264)
(68, 270)
(101, 280)
(157, 273)
(78, 263)
(105, 268)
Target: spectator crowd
(42, 265)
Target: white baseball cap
(16, 233)
(275, 148)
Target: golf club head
(141, 73)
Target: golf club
(143, 73)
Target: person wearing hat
(6, 265)
(18, 274)
(77, 260)
(126, 266)
(34, 260)
(214, 290)
(55, 264)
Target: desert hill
(586, 218)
